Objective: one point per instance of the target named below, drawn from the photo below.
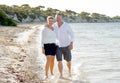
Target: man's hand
(71, 46)
(43, 50)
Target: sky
(107, 7)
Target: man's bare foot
(52, 77)
(70, 75)
(61, 76)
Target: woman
(48, 45)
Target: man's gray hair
(58, 14)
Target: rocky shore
(41, 19)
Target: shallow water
(95, 57)
(96, 54)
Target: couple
(57, 39)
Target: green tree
(84, 15)
(96, 15)
(116, 17)
(70, 13)
(5, 21)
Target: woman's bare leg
(48, 58)
(52, 64)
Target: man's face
(58, 18)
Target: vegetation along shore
(26, 14)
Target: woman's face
(50, 21)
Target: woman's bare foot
(46, 77)
(52, 73)
(69, 74)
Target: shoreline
(22, 60)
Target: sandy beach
(18, 54)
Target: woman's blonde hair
(49, 17)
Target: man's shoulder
(66, 25)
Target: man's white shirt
(64, 34)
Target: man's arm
(72, 38)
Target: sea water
(96, 53)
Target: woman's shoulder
(43, 28)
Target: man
(65, 38)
